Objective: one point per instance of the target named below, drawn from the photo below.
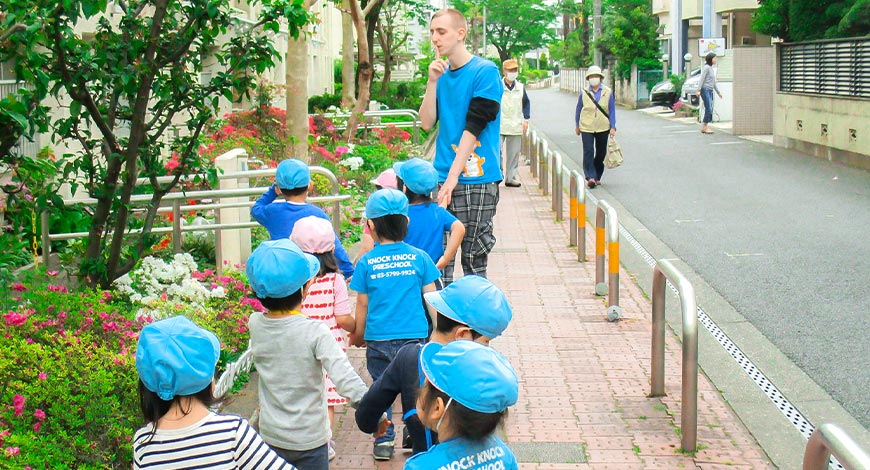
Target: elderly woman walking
(595, 124)
(708, 86)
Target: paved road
(783, 237)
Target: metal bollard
(689, 306)
(556, 202)
(542, 161)
(829, 438)
(605, 217)
(581, 216)
(533, 153)
(572, 210)
(176, 226)
(544, 177)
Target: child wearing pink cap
(327, 299)
(386, 180)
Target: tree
(512, 27)
(361, 17)
(125, 88)
(806, 20)
(392, 33)
(629, 33)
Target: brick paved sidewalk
(583, 380)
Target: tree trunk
(348, 80)
(385, 39)
(296, 78)
(364, 70)
(371, 19)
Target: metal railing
(837, 67)
(416, 123)
(25, 146)
(606, 221)
(663, 271)
(577, 208)
(233, 370)
(175, 202)
(829, 439)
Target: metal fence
(832, 67)
(26, 146)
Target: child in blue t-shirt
(428, 221)
(292, 181)
(465, 398)
(389, 281)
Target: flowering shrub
(67, 366)
(156, 280)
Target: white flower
(352, 163)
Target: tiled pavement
(583, 380)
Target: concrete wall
(833, 128)
(754, 86)
(625, 89)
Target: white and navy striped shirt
(215, 442)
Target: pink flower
(42, 376)
(18, 404)
(39, 414)
(18, 287)
(57, 288)
(29, 340)
(51, 273)
(36, 426)
(341, 150)
(110, 326)
(14, 319)
(12, 451)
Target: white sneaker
(330, 449)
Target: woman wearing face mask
(708, 86)
(515, 113)
(594, 123)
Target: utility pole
(596, 29)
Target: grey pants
(510, 151)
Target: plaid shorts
(474, 205)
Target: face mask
(595, 81)
(438, 424)
(511, 75)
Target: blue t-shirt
(280, 218)
(428, 222)
(490, 453)
(479, 78)
(393, 276)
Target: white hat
(594, 70)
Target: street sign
(708, 45)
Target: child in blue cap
(467, 392)
(428, 221)
(292, 182)
(389, 281)
(471, 308)
(291, 352)
(176, 361)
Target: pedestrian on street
(594, 124)
(463, 94)
(515, 113)
(708, 86)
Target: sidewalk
(583, 380)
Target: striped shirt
(215, 442)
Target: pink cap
(387, 179)
(313, 235)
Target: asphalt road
(782, 236)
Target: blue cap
(386, 202)
(472, 374)
(473, 301)
(292, 174)
(418, 175)
(279, 268)
(175, 357)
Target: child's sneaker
(407, 443)
(330, 449)
(383, 450)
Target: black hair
(415, 198)
(467, 423)
(393, 227)
(445, 325)
(293, 192)
(328, 263)
(290, 302)
(153, 407)
(709, 58)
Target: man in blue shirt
(463, 95)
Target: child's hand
(442, 263)
(382, 426)
(355, 340)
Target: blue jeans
(379, 354)
(313, 459)
(594, 151)
(707, 97)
